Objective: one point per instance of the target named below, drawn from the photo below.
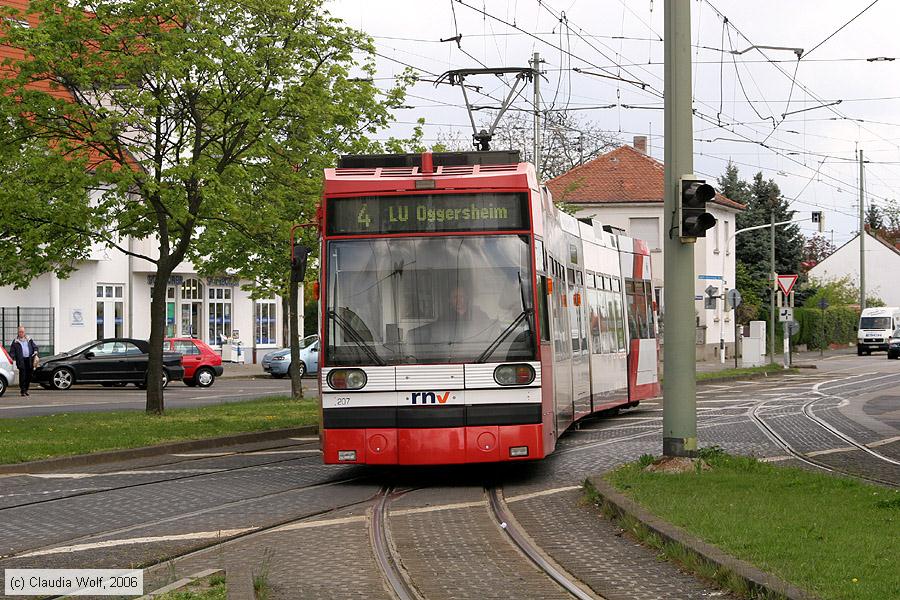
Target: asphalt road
(95, 398)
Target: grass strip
(835, 537)
(734, 373)
(211, 588)
(48, 436)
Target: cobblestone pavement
(273, 512)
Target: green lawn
(728, 373)
(210, 588)
(837, 538)
(34, 438)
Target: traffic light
(694, 222)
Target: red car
(201, 363)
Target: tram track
(256, 533)
(149, 468)
(387, 560)
(197, 513)
(806, 410)
(519, 538)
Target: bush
(839, 327)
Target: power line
(874, 2)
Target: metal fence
(38, 324)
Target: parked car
(201, 363)
(109, 362)
(278, 362)
(7, 371)
(894, 347)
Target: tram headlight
(347, 379)
(514, 374)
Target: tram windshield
(429, 300)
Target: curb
(182, 583)
(107, 456)
(760, 583)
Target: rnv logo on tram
(430, 397)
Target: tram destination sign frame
(428, 213)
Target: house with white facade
(624, 188)
(108, 295)
(882, 267)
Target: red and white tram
(464, 318)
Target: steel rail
(505, 521)
(808, 411)
(243, 536)
(384, 556)
(163, 479)
(202, 511)
(779, 440)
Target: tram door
(581, 358)
(562, 349)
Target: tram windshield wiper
(503, 335)
(354, 336)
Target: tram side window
(638, 310)
(620, 322)
(542, 310)
(594, 302)
(651, 317)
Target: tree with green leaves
(753, 248)
(255, 245)
(874, 217)
(176, 116)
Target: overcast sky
(822, 139)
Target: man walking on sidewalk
(24, 353)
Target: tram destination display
(427, 213)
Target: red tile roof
(95, 157)
(623, 175)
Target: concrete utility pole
(862, 233)
(774, 277)
(536, 65)
(680, 351)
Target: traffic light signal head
(694, 219)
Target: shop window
(265, 323)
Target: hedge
(840, 326)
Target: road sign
(698, 297)
(793, 328)
(823, 303)
(709, 277)
(733, 298)
(711, 290)
(785, 315)
(786, 283)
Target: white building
(109, 296)
(625, 188)
(882, 268)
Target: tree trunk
(296, 382)
(155, 402)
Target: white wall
(882, 269)
(79, 291)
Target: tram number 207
(343, 401)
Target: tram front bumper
(433, 446)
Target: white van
(875, 328)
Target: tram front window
(429, 300)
